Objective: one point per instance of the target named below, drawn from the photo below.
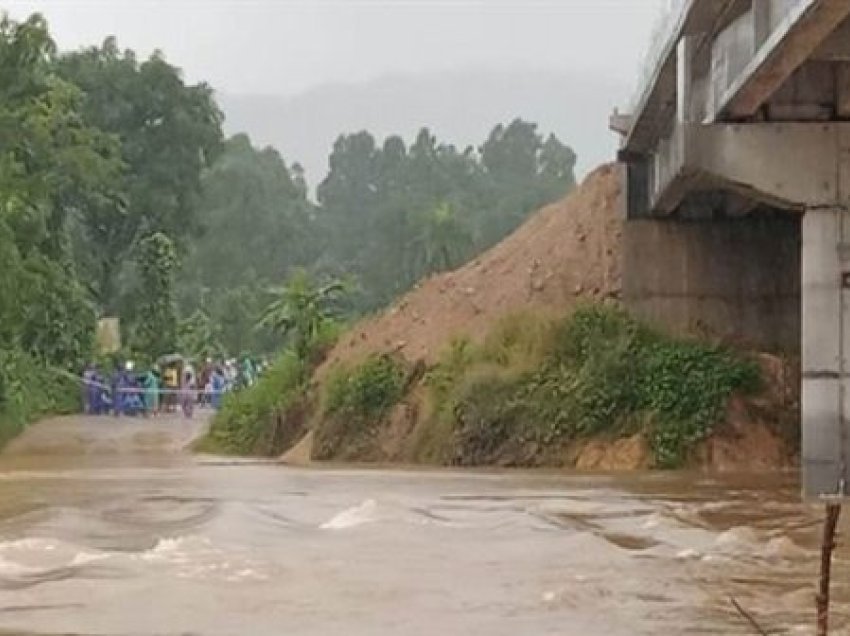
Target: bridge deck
(658, 98)
(742, 66)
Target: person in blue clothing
(150, 384)
(217, 381)
(114, 390)
(101, 396)
(132, 403)
(126, 394)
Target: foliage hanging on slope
(599, 372)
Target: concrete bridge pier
(751, 238)
(739, 141)
(826, 350)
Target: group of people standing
(162, 388)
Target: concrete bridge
(737, 177)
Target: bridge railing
(671, 14)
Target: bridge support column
(825, 402)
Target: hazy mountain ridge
(460, 107)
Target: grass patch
(367, 389)
(249, 421)
(354, 401)
(598, 372)
(268, 417)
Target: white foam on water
(660, 520)
(688, 553)
(30, 544)
(365, 512)
(177, 549)
(736, 539)
(783, 548)
(31, 555)
(196, 557)
(83, 558)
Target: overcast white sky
(287, 46)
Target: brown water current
(109, 527)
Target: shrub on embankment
(534, 387)
(30, 389)
(268, 417)
(253, 421)
(355, 403)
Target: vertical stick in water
(827, 546)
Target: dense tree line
(385, 216)
(119, 196)
(101, 157)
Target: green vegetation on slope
(251, 421)
(532, 387)
(523, 397)
(267, 417)
(355, 402)
(30, 389)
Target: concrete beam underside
(794, 166)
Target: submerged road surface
(109, 527)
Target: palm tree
(300, 310)
(442, 242)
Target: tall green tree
(169, 131)
(52, 165)
(392, 214)
(256, 223)
(155, 328)
(521, 173)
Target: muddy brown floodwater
(108, 527)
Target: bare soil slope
(566, 252)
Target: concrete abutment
(733, 279)
(699, 258)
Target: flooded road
(107, 527)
